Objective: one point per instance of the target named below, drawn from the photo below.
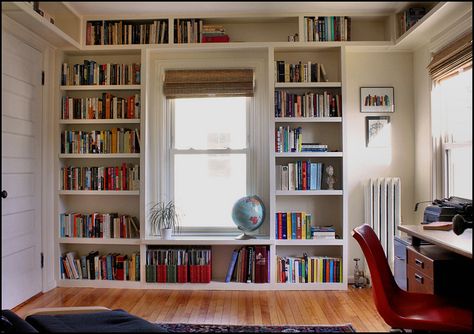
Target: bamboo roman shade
(200, 83)
(456, 56)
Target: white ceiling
(180, 8)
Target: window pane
(210, 123)
(461, 172)
(206, 187)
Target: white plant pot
(166, 233)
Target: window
(452, 111)
(209, 160)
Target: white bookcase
(270, 32)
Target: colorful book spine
(293, 225)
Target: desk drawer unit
(420, 262)
(419, 282)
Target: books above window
(127, 32)
(327, 28)
(408, 18)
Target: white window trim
(157, 184)
(446, 158)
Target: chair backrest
(383, 282)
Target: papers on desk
(441, 226)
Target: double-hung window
(210, 147)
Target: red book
(303, 169)
(215, 39)
(280, 226)
(120, 267)
(182, 273)
(298, 225)
(161, 273)
(327, 270)
(107, 106)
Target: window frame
(172, 151)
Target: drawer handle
(399, 258)
(419, 263)
(419, 278)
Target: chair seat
(423, 311)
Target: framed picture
(377, 131)
(376, 99)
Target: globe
(248, 213)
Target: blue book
(293, 225)
(284, 229)
(331, 270)
(233, 260)
(84, 267)
(109, 267)
(313, 178)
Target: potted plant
(164, 218)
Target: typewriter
(445, 209)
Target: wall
(365, 69)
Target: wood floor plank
(354, 306)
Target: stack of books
(323, 232)
(249, 265)
(214, 33)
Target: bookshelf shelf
(100, 192)
(309, 193)
(307, 119)
(100, 87)
(99, 283)
(310, 242)
(307, 84)
(100, 156)
(100, 121)
(99, 241)
(312, 286)
(309, 154)
(206, 240)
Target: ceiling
(182, 7)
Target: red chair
(401, 309)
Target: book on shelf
(408, 18)
(288, 139)
(188, 31)
(327, 28)
(107, 106)
(249, 264)
(126, 32)
(300, 72)
(213, 33)
(302, 175)
(98, 225)
(93, 266)
(310, 104)
(125, 177)
(309, 269)
(115, 140)
(293, 225)
(92, 73)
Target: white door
(21, 171)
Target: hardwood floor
(226, 307)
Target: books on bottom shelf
(293, 225)
(249, 264)
(178, 265)
(93, 266)
(98, 225)
(309, 269)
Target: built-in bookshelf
(98, 170)
(99, 105)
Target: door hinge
(42, 78)
(42, 260)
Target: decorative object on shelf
(293, 38)
(248, 213)
(164, 218)
(360, 281)
(330, 178)
(377, 131)
(377, 99)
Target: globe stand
(244, 236)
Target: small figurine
(330, 179)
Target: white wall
(365, 69)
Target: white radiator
(382, 197)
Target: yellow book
(288, 225)
(320, 270)
(303, 225)
(310, 270)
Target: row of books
(309, 269)
(125, 177)
(249, 264)
(93, 266)
(325, 104)
(377, 100)
(293, 225)
(327, 28)
(98, 225)
(288, 139)
(408, 18)
(115, 140)
(181, 265)
(120, 32)
(105, 107)
(299, 175)
(214, 33)
(91, 73)
(188, 30)
(301, 72)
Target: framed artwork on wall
(377, 99)
(377, 131)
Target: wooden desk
(461, 244)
